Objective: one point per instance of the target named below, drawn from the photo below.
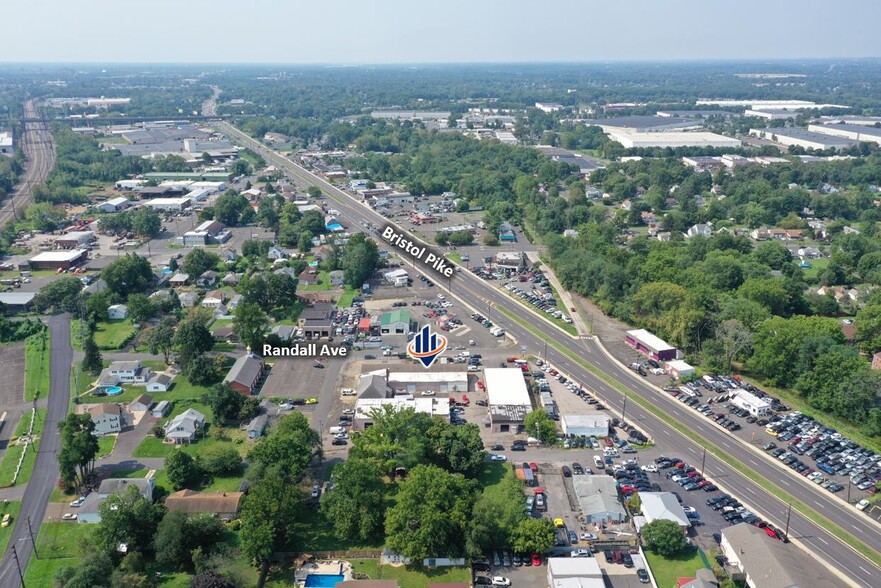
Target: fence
(27, 443)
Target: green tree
(360, 259)
(202, 371)
(457, 449)
(313, 191)
(161, 338)
(140, 307)
(533, 535)
(181, 469)
(92, 362)
(268, 516)
(496, 515)
(96, 307)
(128, 274)
(220, 459)
(736, 340)
(396, 439)
(357, 503)
(291, 443)
(540, 425)
(210, 579)
(664, 537)
(198, 261)
(250, 324)
(62, 294)
(224, 402)
(170, 542)
(778, 342)
(127, 518)
(192, 339)
(79, 446)
(431, 515)
(230, 207)
(45, 217)
(147, 223)
(868, 323)
(93, 572)
(460, 238)
(768, 292)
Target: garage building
(657, 506)
(598, 498)
(397, 322)
(54, 260)
(508, 398)
(678, 368)
(748, 401)
(574, 572)
(650, 345)
(586, 425)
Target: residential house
(161, 409)
(142, 403)
(244, 375)
(106, 416)
(315, 297)
(664, 236)
(257, 426)
(224, 505)
(284, 332)
(700, 230)
(336, 278)
(234, 302)
(231, 279)
(214, 299)
(506, 233)
(188, 299)
(129, 372)
(207, 279)
(287, 271)
(227, 255)
(159, 383)
(308, 277)
(224, 333)
(275, 253)
(809, 252)
(185, 427)
(89, 511)
(848, 230)
(116, 312)
(179, 280)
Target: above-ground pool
(323, 580)
(114, 391)
(313, 264)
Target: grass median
(36, 365)
(657, 411)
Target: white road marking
(823, 540)
(666, 432)
(784, 481)
(818, 504)
(752, 461)
(855, 527)
(751, 491)
(865, 570)
(726, 444)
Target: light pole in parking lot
(849, 484)
(624, 408)
(704, 460)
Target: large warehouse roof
(505, 386)
(671, 139)
(68, 255)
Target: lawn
(666, 571)
(105, 445)
(11, 508)
(61, 540)
(348, 295)
(454, 256)
(41, 572)
(153, 447)
(322, 285)
(817, 267)
(13, 452)
(36, 367)
(181, 391)
(113, 335)
(409, 576)
(315, 533)
(218, 484)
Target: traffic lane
(366, 214)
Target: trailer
(529, 477)
(518, 471)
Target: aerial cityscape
(372, 312)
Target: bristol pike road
(422, 253)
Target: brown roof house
(107, 417)
(225, 505)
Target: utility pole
(788, 514)
(704, 461)
(624, 408)
(33, 542)
(849, 484)
(18, 565)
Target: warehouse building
(866, 121)
(396, 322)
(114, 204)
(508, 398)
(803, 138)
(7, 147)
(650, 345)
(642, 124)
(574, 572)
(586, 425)
(663, 506)
(55, 260)
(365, 408)
(173, 204)
(598, 498)
(673, 139)
(853, 132)
(772, 113)
(74, 239)
(194, 176)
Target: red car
(772, 533)
(626, 489)
(536, 559)
(534, 467)
(608, 441)
(511, 359)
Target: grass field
(105, 445)
(322, 285)
(817, 267)
(666, 571)
(12, 509)
(61, 540)
(153, 447)
(345, 300)
(41, 572)
(112, 335)
(454, 256)
(13, 452)
(409, 576)
(36, 368)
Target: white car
(68, 516)
(440, 296)
(78, 502)
(650, 468)
(579, 553)
(428, 393)
(348, 392)
(501, 581)
(341, 436)
(689, 509)
(862, 504)
(587, 537)
(349, 411)
(495, 457)
(316, 491)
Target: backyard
(667, 570)
(410, 576)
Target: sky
(421, 31)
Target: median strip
(849, 539)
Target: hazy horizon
(394, 32)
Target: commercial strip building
(173, 204)
(365, 407)
(650, 345)
(55, 260)
(598, 498)
(762, 562)
(508, 399)
(803, 138)
(751, 403)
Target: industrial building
(173, 204)
(365, 407)
(194, 176)
(586, 425)
(574, 572)
(803, 138)
(866, 121)
(13, 302)
(55, 260)
(7, 147)
(772, 113)
(396, 322)
(756, 406)
(853, 132)
(642, 124)
(674, 139)
(650, 345)
(207, 233)
(508, 398)
(598, 499)
(657, 506)
(114, 204)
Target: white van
(598, 462)
(337, 430)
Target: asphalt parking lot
(12, 392)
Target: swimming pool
(114, 391)
(323, 580)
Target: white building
(586, 425)
(678, 368)
(114, 204)
(853, 132)
(7, 147)
(803, 138)
(756, 406)
(117, 312)
(365, 407)
(673, 139)
(397, 278)
(549, 106)
(657, 506)
(508, 398)
(574, 572)
(175, 204)
(772, 113)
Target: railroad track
(39, 150)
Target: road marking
(752, 461)
(699, 427)
(751, 491)
(725, 443)
(666, 432)
(782, 481)
(818, 504)
(823, 540)
(855, 527)
(865, 570)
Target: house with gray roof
(88, 512)
(244, 375)
(185, 427)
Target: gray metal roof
(245, 370)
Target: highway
(39, 150)
(478, 294)
(42, 482)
